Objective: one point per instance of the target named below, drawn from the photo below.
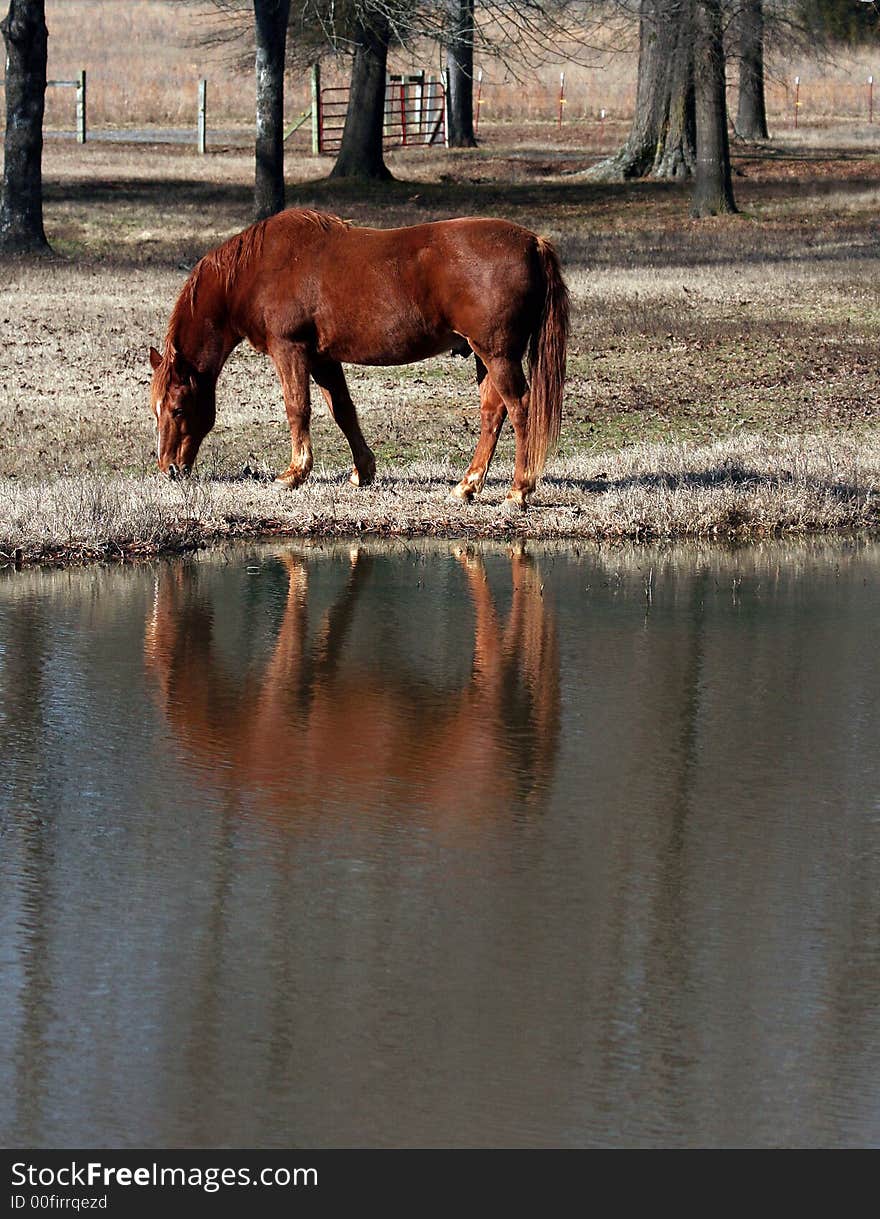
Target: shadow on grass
(733, 474)
(743, 150)
(565, 201)
(162, 193)
(728, 475)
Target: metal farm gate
(415, 112)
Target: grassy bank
(738, 488)
(724, 375)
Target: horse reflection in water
(318, 720)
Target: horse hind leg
(492, 412)
(331, 381)
(510, 383)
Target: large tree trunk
(662, 138)
(460, 62)
(676, 152)
(713, 186)
(751, 114)
(360, 153)
(21, 210)
(270, 21)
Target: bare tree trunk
(713, 186)
(662, 138)
(676, 153)
(751, 114)
(460, 61)
(360, 153)
(270, 22)
(21, 210)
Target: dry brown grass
(140, 69)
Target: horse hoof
(290, 481)
(363, 475)
(462, 492)
(515, 501)
(470, 485)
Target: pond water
(336, 846)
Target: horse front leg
(492, 412)
(288, 665)
(291, 363)
(330, 379)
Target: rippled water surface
(415, 846)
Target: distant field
(144, 59)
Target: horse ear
(183, 370)
(155, 358)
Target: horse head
(183, 403)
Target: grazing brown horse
(315, 293)
(324, 713)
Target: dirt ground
(764, 324)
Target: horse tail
(547, 347)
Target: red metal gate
(415, 113)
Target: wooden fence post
(316, 109)
(81, 107)
(203, 116)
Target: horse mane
(233, 255)
(322, 220)
(226, 261)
